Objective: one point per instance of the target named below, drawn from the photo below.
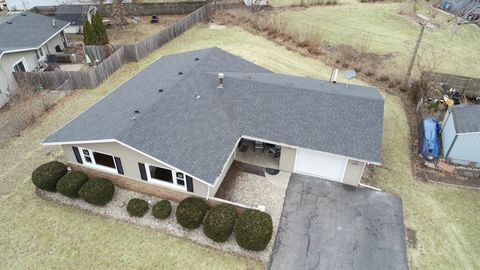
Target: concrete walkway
(328, 225)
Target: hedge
(137, 207)
(253, 230)
(190, 212)
(98, 191)
(219, 222)
(70, 184)
(162, 209)
(47, 175)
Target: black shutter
(77, 154)
(189, 183)
(118, 162)
(143, 173)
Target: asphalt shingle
(193, 125)
(466, 118)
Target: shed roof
(75, 14)
(194, 126)
(27, 30)
(466, 118)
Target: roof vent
(180, 73)
(196, 59)
(24, 14)
(9, 22)
(220, 80)
(136, 111)
(160, 90)
(54, 24)
(334, 75)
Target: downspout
(208, 192)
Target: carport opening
(259, 153)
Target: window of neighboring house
(160, 174)
(19, 66)
(100, 160)
(40, 53)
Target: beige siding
(287, 159)
(353, 172)
(130, 160)
(50, 46)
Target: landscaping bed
(117, 209)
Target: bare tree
(119, 12)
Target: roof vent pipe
(220, 80)
(334, 75)
(9, 22)
(53, 23)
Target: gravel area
(253, 190)
(116, 209)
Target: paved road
(328, 225)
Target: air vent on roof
(9, 22)
(136, 111)
(196, 59)
(180, 73)
(160, 90)
(24, 14)
(220, 80)
(54, 24)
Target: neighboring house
(76, 15)
(26, 40)
(17, 5)
(461, 135)
(178, 125)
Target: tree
(118, 12)
(89, 37)
(99, 29)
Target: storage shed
(461, 135)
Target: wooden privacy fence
(467, 86)
(94, 76)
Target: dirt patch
(411, 238)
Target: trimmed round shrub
(70, 184)
(190, 212)
(219, 222)
(47, 175)
(137, 207)
(97, 191)
(162, 209)
(253, 230)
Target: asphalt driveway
(328, 225)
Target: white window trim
(24, 64)
(94, 164)
(164, 183)
(41, 59)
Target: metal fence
(113, 58)
(467, 86)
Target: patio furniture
(259, 145)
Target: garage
(320, 164)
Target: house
(183, 120)
(76, 15)
(461, 135)
(26, 40)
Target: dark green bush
(253, 230)
(47, 175)
(70, 184)
(219, 222)
(98, 191)
(137, 207)
(190, 212)
(162, 209)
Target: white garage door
(320, 165)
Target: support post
(414, 55)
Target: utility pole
(414, 55)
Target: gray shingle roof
(197, 135)
(75, 14)
(25, 32)
(466, 118)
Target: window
(180, 179)
(40, 53)
(161, 174)
(104, 160)
(19, 67)
(99, 160)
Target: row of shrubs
(253, 229)
(54, 176)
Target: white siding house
(461, 135)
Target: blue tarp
(428, 145)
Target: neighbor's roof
(75, 14)
(197, 135)
(466, 118)
(26, 32)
